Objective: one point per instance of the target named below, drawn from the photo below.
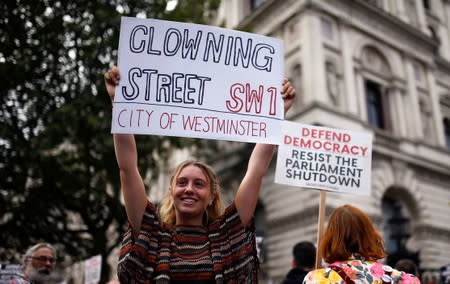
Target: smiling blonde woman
(192, 241)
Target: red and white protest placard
(190, 80)
(93, 269)
(324, 158)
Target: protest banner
(324, 158)
(444, 272)
(190, 80)
(92, 269)
(9, 272)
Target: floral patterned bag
(342, 273)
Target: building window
(332, 82)
(436, 38)
(296, 80)
(327, 28)
(376, 105)
(254, 4)
(426, 117)
(396, 225)
(377, 3)
(434, 34)
(426, 4)
(417, 72)
(411, 11)
(447, 131)
(397, 230)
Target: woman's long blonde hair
(167, 208)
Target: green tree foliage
(57, 161)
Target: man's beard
(39, 275)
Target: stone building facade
(377, 66)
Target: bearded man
(38, 263)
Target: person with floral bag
(353, 248)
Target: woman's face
(191, 195)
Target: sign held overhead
(191, 80)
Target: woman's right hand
(112, 78)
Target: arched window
(397, 227)
(396, 224)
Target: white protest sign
(92, 269)
(9, 272)
(324, 158)
(191, 80)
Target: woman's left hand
(288, 94)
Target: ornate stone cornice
(358, 14)
(392, 151)
(385, 142)
(383, 26)
(431, 230)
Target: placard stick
(322, 206)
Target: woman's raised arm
(132, 185)
(258, 164)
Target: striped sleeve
(233, 249)
(138, 257)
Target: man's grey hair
(31, 250)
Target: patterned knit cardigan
(232, 247)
